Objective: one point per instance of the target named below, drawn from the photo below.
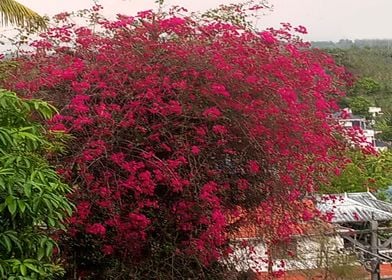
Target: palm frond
(14, 13)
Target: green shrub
(32, 197)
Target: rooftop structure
(350, 121)
(355, 207)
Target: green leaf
(49, 249)
(9, 161)
(40, 253)
(2, 272)
(27, 189)
(13, 236)
(2, 206)
(22, 205)
(11, 204)
(7, 171)
(6, 242)
(23, 269)
(31, 267)
(51, 222)
(42, 177)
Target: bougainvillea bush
(180, 126)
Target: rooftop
(355, 207)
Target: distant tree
(359, 105)
(344, 43)
(363, 172)
(372, 67)
(384, 124)
(366, 86)
(323, 44)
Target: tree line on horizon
(356, 43)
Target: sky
(324, 19)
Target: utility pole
(375, 261)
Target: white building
(364, 126)
(322, 246)
(304, 252)
(375, 111)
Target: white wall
(311, 253)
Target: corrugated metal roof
(355, 207)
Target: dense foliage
(180, 126)
(369, 62)
(371, 68)
(32, 197)
(363, 172)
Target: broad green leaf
(22, 205)
(2, 272)
(40, 253)
(31, 267)
(27, 189)
(23, 269)
(5, 240)
(49, 249)
(11, 204)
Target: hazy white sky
(325, 19)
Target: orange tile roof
(249, 228)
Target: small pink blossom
(96, 229)
(219, 129)
(195, 150)
(213, 113)
(268, 37)
(253, 167)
